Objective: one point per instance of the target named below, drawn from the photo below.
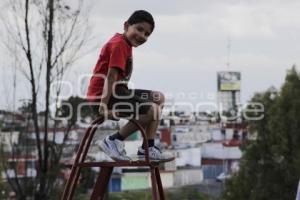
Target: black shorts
(128, 102)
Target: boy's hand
(108, 113)
(101, 111)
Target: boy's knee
(153, 113)
(158, 98)
(162, 99)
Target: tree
(44, 38)
(270, 167)
(74, 102)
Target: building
(220, 157)
(229, 91)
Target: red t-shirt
(115, 53)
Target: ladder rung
(117, 164)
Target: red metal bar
(118, 164)
(83, 156)
(159, 184)
(74, 169)
(154, 184)
(101, 183)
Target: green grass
(185, 193)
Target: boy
(108, 89)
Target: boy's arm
(111, 78)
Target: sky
(190, 45)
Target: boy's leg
(151, 132)
(124, 101)
(149, 122)
(150, 126)
(114, 147)
(159, 99)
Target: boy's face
(138, 33)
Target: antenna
(228, 52)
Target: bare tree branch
(49, 36)
(32, 80)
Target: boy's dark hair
(139, 16)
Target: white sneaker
(155, 154)
(114, 149)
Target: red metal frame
(106, 168)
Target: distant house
(218, 158)
(21, 167)
(189, 135)
(12, 121)
(8, 139)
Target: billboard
(229, 81)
